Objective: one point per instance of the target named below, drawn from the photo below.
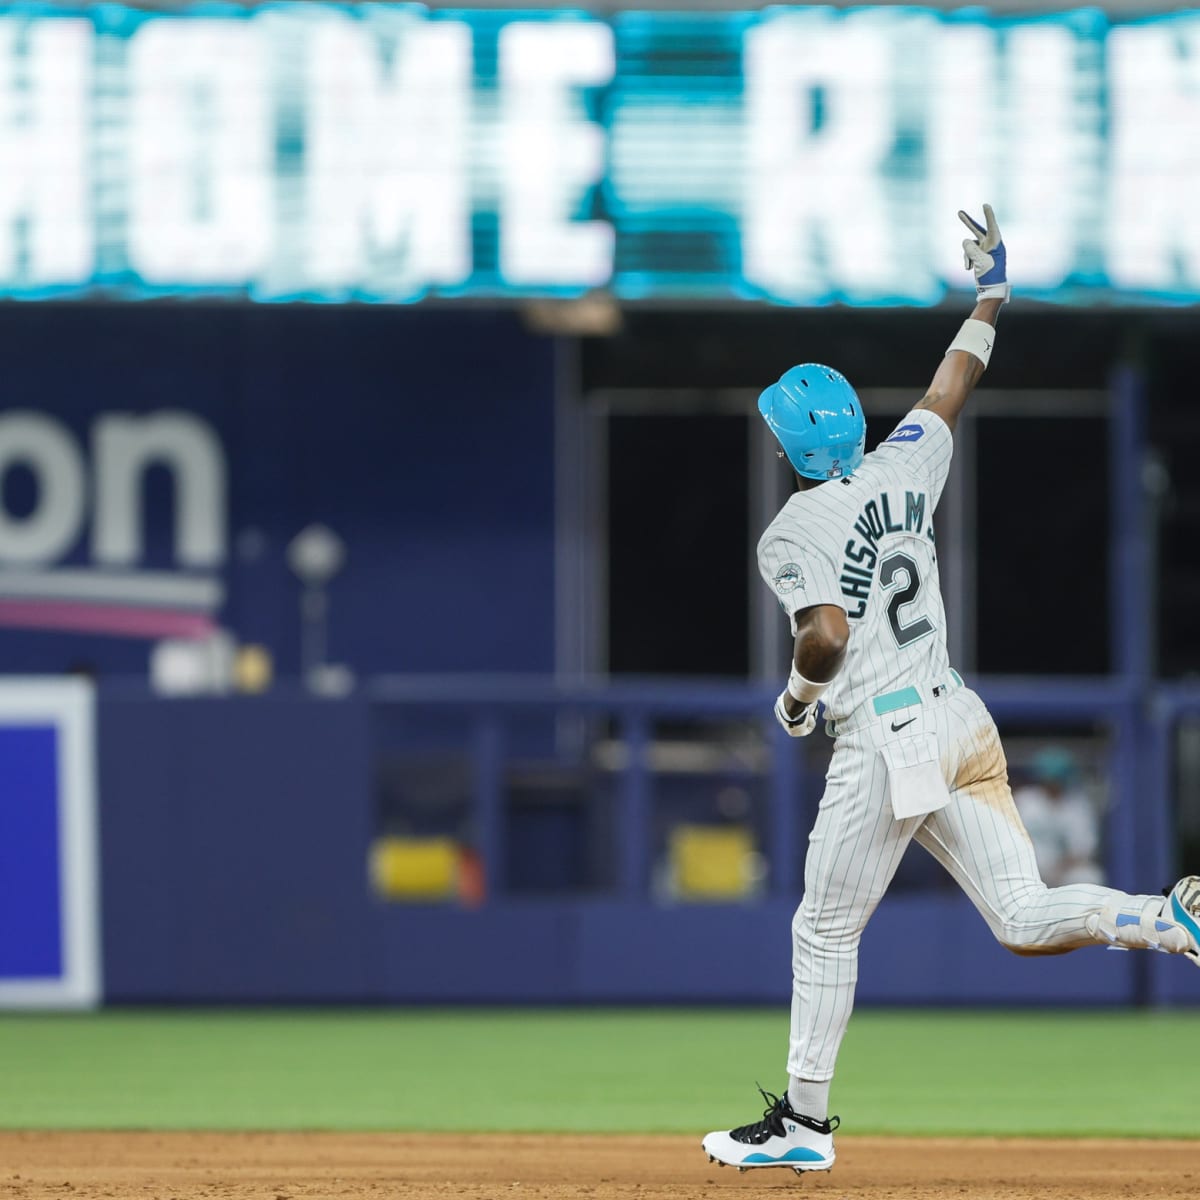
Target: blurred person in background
(1061, 818)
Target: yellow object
(404, 868)
(712, 862)
(253, 669)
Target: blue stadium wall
(235, 833)
(424, 439)
(234, 848)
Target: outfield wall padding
(235, 837)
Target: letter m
(914, 511)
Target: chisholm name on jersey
(875, 521)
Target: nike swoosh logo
(896, 728)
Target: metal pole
(1142, 766)
(1132, 624)
(574, 599)
(785, 803)
(769, 487)
(634, 826)
(489, 801)
(1155, 830)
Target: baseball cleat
(783, 1138)
(1182, 907)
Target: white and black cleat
(782, 1138)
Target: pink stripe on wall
(114, 619)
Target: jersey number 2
(901, 571)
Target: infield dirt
(291, 1166)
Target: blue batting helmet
(816, 417)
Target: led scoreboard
(790, 155)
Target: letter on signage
(44, 130)
(124, 447)
(201, 152)
(819, 126)
(387, 170)
(551, 153)
(44, 446)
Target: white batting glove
(984, 254)
(798, 726)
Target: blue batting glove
(984, 254)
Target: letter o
(48, 449)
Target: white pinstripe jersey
(865, 544)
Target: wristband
(802, 690)
(994, 291)
(975, 337)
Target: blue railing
(491, 708)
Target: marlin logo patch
(788, 578)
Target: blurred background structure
(380, 481)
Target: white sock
(809, 1097)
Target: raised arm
(968, 354)
(959, 371)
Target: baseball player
(852, 559)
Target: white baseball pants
(855, 847)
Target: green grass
(1040, 1073)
